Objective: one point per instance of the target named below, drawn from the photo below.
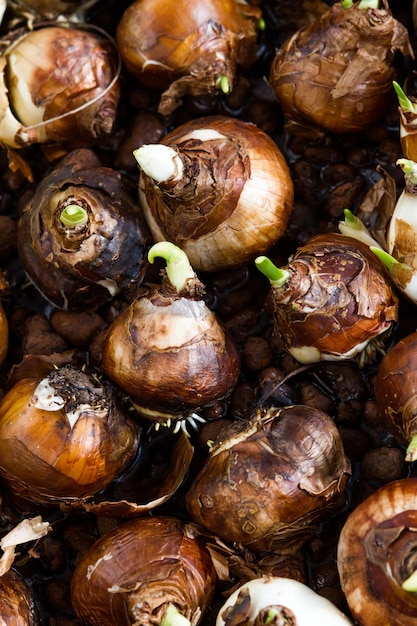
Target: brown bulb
(377, 553)
(63, 437)
(141, 569)
(336, 73)
(269, 481)
(81, 237)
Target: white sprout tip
(159, 162)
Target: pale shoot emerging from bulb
(410, 457)
(173, 617)
(159, 162)
(276, 276)
(74, 215)
(353, 227)
(178, 268)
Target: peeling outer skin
(235, 197)
(337, 72)
(376, 553)
(52, 109)
(396, 389)
(83, 268)
(130, 574)
(268, 483)
(53, 94)
(337, 301)
(187, 48)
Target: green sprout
(276, 276)
(223, 84)
(260, 24)
(179, 270)
(405, 103)
(73, 215)
(387, 259)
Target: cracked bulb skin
(337, 302)
(270, 480)
(62, 437)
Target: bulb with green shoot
(400, 252)
(168, 350)
(81, 237)
(332, 300)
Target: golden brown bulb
(187, 48)
(396, 393)
(335, 302)
(168, 350)
(217, 187)
(63, 437)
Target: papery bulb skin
(336, 73)
(69, 91)
(396, 392)
(278, 601)
(338, 302)
(17, 601)
(170, 353)
(184, 48)
(131, 574)
(80, 264)
(63, 437)
(377, 553)
(231, 199)
(269, 481)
